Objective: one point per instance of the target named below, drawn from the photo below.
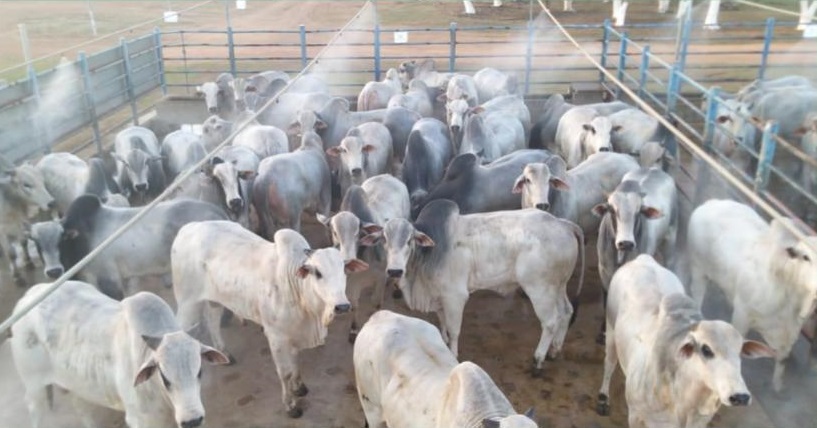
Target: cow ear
(795, 253)
(334, 151)
(355, 265)
(323, 219)
(477, 110)
(723, 119)
(589, 128)
(319, 123)
(753, 349)
(213, 356)
(151, 341)
(601, 209)
(368, 148)
(294, 128)
(145, 372)
(369, 228)
(304, 270)
(530, 414)
(490, 423)
(246, 175)
(519, 184)
(559, 184)
(371, 239)
(422, 239)
(651, 212)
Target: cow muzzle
(236, 204)
(604, 149)
(342, 308)
(141, 187)
(740, 399)
(395, 273)
(54, 272)
(625, 245)
(357, 172)
(193, 423)
(213, 110)
(544, 206)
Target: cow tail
(579, 234)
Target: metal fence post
(605, 44)
(452, 48)
(129, 80)
(157, 42)
(645, 66)
(377, 52)
(87, 89)
(622, 61)
(302, 32)
(711, 115)
(42, 130)
(529, 54)
(767, 149)
(683, 43)
(767, 45)
(231, 50)
(672, 89)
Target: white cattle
(376, 201)
(264, 140)
(493, 135)
(425, 71)
(129, 356)
(633, 129)
(292, 291)
(578, 190)
(219, 96)
(366, 151)
(138, 166)
(181, 150)
(406, 377)
(513, 105)
(680, 368)
(376, 95)
(768, 275)
(488, 251)
(416, 99)
(582, 132)
(22, 195)
(492, 83)
(66, 177)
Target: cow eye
(199, 375)
(706, 351)
(318, 274)
(164, 380)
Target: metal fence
(41, 110)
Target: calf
(129, 356)
(365, 152)
(445, 256)
(433, 391)
(143, 250)
(680, 368)
(294, 292)
(766, 272)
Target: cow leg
(212, 317)
(189, 315)
(443, 330)
(29, 264)
(353, 290)
(11, 253)
(543, 303)
(286, 364)
(565, 313)
(610, 362)
(697, 282)
(373, 412)
(600, 339)
(453, 308)
(37, 403)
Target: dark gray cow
(476, 188)
(400, 121)
(143, 250)
(428, 152)
(138, 162)
(290, 183)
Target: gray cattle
(425, 71)
(632, 129)
(400, 121)
(334, 120)
(366, 209)
(253, 92)
(129, 356)
(511, 105)
(750, 93)
(376, 95)
(639, 217)
(138, 162)
(365, 152)
(416, 98)
(283, 112)
(543, 132)
(680, 368)
(264, 140)
(143, 250)
(291, 290)
(290, 183)
(219, 95)
(490, 136)
(22, 195)
(808, 142)
(46, 236)
(181, 150)
(476, 188)
(444, 257)
(428, 152)
(578, 190)
(66, 177)
(435, 391)
(214, 130)
(460, 87)
(492, 83)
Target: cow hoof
(397, 294)
(352, 337)
(295, 412)
(301, 391)
(601, 339)
(603, 405)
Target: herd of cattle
(440, 183)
